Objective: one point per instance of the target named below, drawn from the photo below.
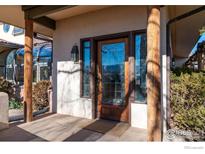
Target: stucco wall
(70, 31)
(68, 91)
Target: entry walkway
(59, 127)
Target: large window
(6, 28)
(10, 65)
(86, 69)
(42, 64)
(17, 31)
(140, 67)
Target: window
(86, 69)
(140, 67)
(6, 28)
(113, 57)
(10, 65)
(17, 31)
(2, 70)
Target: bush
(13, 104)
(7, 87)
(40, 95)
(188, 100)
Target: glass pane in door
(113, 57)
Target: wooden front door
(113, 81)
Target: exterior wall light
(173, 63)
(75, 53)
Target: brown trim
(37, 11)
(118, 112)
(187, 14)
(132, 72)
(81, 67)
(114, 35)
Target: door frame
(93, 75)
(123, 111)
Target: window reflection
(140, 67)
(6, 28)
(10, 65)
(18, 31)
(86, 68)
(113, 56)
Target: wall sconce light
(75, 53)
(173, 62)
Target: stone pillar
(4, 111)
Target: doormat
(101, 126)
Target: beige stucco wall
(185, 32)
(106, 21)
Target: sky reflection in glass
(86, 68)
(140, 68)
(113, 57)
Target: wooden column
(131, 72)
(153, 75)
(93, 79)
(28, 70)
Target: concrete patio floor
(59, 127)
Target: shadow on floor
(93, 131)
(14, 133)
(60, 127)
(17, 134)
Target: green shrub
(188, 100)
(40, 95)
(13, 104)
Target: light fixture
(173, 62)
(75, 53)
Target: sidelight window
(140, 67)
(86, 69)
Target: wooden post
(28, 70)
(131, 73)
(93, 79)
(153, 75)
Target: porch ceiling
(14, 15)
(185, 32)
(77, 10)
